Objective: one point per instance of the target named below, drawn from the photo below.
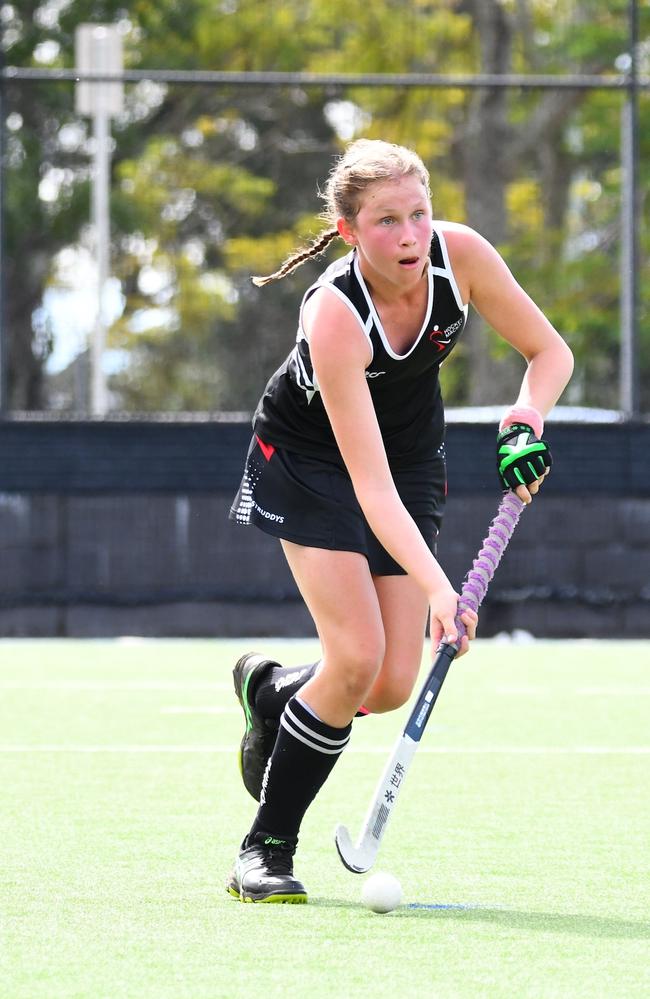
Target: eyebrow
(388, 210)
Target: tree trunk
(486, 169)
(24, 369)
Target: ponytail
(298, 258)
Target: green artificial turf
(522, 835)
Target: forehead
(398, 193)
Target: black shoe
(263, 872)
(259, 736)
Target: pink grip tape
(488, 558)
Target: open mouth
(409, 261)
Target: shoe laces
(280, 859)
(278, 854)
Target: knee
(362, 667)
(390, 692)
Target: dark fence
(120, 527)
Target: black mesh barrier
(134, 456)
(122, 527)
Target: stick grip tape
(484, 566)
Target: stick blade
(356, 859)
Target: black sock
(304, 755)
(274, 690)
(277, 687)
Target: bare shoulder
(464, 243)
(324, 307)
(474, 260)
(486, 280)
(330, 324)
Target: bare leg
(371, 633)
(404, 611)
(340, 594)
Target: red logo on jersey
(442, 338)
(437, 337)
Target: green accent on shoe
(244, 697)
(259, 736)
(272, 899)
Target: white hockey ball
(381, 892)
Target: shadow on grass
(542, 922)
(334, 903)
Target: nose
(407, 236)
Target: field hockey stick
(361, 857)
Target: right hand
(522, 459)
(444, 607)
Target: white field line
(630, 691)
(171, 685)
(616, 691)
(126, 685)
(208, 710)
(369, 750)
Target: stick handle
(485, 564)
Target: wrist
(440, 590)
(524, 414)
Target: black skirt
(312, 502)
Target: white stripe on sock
(312, 733)
(308, 742)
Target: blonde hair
(363, 163)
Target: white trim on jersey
(355, 312)
(448, 272)
(374, 315)
(325, 281)
(303, 381)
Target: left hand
(470, 620)
(443, 623)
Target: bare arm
(339, 353)
(486, 281)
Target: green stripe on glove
(521, 456)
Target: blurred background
(133, 346)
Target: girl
(347, 468)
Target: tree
(213, 184)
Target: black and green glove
(521, 456)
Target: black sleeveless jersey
(405, 388)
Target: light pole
(629, 352)
(98, 50)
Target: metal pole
(3, 324)
(101, 169)
(629, 368)
(98, 49)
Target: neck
(387, 291)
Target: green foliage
(213, 184)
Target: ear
(346, 232)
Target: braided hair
(363, 163)
(296, 259)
